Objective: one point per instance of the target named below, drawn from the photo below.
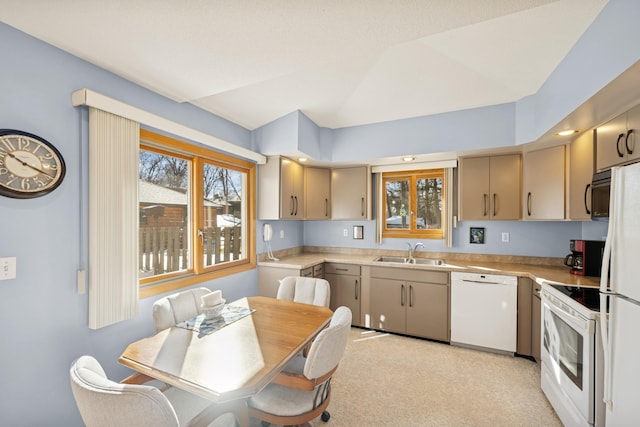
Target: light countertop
(534, 268)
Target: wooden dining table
(236, 361)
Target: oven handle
(584, 324)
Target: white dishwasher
(484, 311)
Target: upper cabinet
(350, 190)
(615, 142)
(543, 180)
(489, 188)
(280, 189)
(317, 190)
(580, 176)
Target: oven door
(567, 353)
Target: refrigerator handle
(606, 353)
(604, 293)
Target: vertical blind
(113, 218)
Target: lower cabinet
(346, 288)
(536, 317)
(524, 316)
(413, 302)
(269, 277)
(528, 318)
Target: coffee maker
(585, 258)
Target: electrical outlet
(505, 237)
(7, 268)
(345, 232)
(282, 234)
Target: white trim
(94, 99)
(415, 166)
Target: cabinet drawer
(307, 272)
(348, 269)
(318, 270)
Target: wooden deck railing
(165, 249)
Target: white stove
(571, 353)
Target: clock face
(29, 165)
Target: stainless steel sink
(420, 261)
(392, 259)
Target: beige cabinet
(523, 345)
(346, 288)
(350, 193)
(414, 302)
(543, 182)
(528, 318)
(280, 189)
(269, 277)
(615, 142)
(536, 317)
(489, 188)
(580, 176)
(317, 191)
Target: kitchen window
(195, 214)
(413, 203)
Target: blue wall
(45, 320)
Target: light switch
(505, 237)
(7, 268)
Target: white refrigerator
(621, 331)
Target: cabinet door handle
(402, 295)
(326, 207)
(356, 289)
(495, 209)
(484, 204)
(291, 206)
(529, 204)
(620, 153)
(296, 199)
(633, 140)
(410, 295)
(586, 190)
(362, 206)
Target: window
(413, 203)
(195, 214)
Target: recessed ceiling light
(567, 132)
(302, 159)
(408, 159)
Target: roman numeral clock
(29, 165)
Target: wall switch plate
(7, 268)
(505, 237)
(282, 234)
(345, 232)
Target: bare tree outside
(165, 214)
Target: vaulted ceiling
(340, 62)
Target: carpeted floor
(390, 380)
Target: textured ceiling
(341, 62)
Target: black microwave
(600, 190)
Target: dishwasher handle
(481, 282)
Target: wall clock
(29, 165)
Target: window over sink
(413, 203)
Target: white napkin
(212, 299)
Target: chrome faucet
(412, 250)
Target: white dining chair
(178, 307)
(303, 393)
(307, 290)
(105, 403)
